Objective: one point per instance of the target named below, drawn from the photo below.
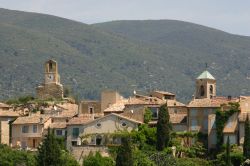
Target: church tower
(51, 72)
(51, 88)
(205, 86)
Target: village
(83, 125)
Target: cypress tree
(124, 154)
(246, 145)
(227, 157)
(49, 152)
(163, 128)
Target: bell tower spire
(205, 85)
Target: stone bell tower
(205, 86)
(51, 72)
(51, 88)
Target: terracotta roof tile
(58, 125)
(214, 102)
(3, 105)
(231, 124)
(33, 119)
(8, 114)
(178, 118)
(80, 120)
(118, 107)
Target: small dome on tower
(205, 75)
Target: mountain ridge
(92, 58)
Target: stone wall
(79, 152)
(52, 90)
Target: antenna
(206, 66)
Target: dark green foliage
(124, 155)
(147, 116)
(228, 149)
(246, 145)
(10, 157)
(192, 162)
(237, 158)
(163, 128)
(51, 153)
(141, 159)
(20, 100)
(145, 137)
(97, 160)
(162, 159)
(221, 119)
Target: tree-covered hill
(122, 55)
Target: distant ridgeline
(120, 55)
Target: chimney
(229, 97)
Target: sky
(232, 16)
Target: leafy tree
(97, 160)
(246, 145)
(50, 152)
(227, 157)
(147, 116)
(163, 128)
(13, 157)
(124, 155)
(141, 159)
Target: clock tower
(51, 72)
(51, 88)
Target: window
(34, 128)
(91, 110)
(50, 67)
(211, 89)
(193, 112)
(75, 132)
(205, 124)
(202, 90)
(154, 111)
(194, 124)
(124, 124)
(74, 143)
(98, 125)
(25, 129)
(59, 132)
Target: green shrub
(97, 160)
(192, 162)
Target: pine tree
(49, 153)
(246, 145)
(228, 149)
(124, 154)
(163, 128)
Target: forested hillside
(122, 55)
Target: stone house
(28, 131)
(202, 108)
(6, 117)
(81, 126)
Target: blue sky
(229, 15)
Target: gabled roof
(215, 102)
(3, 105)
(33, 119)
(85, 120)
(231, 124)
(8, 114)
(205, 75)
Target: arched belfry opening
(205, 86)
